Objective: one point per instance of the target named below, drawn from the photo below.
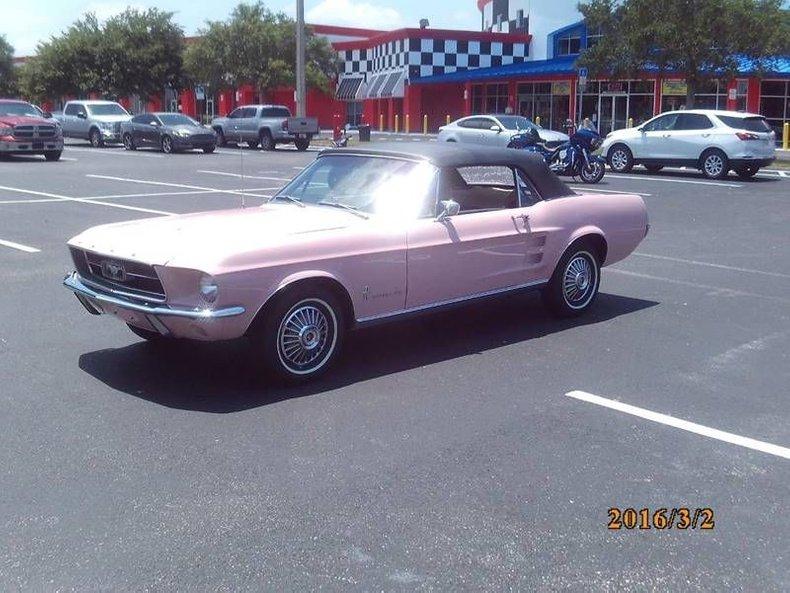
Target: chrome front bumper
(87, 295)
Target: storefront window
(710, 94)
(496, 98)
(478, 93)
(489, 98)
(775, 104)
(354, 113)
(612, 104)
(549, 101)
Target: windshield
(516, 122)
(372, 185)
(24, 109)
(107, 109)
(176, 119)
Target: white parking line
(594, 190)
(181, 185)
(699, 429)
(83, 200)
(715, 289)
(225, 174)
(111, 152)
(19, 246)
(654, 178)
(710, 265)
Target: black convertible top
(451, 154)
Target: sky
(26, 23)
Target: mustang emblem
(113, 271)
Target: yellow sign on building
(674, 87)
(561, 87)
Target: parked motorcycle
(573, 158)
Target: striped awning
(394, 85)
(374, 88)
(349, 89)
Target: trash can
(364, 133)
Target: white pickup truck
(97, 121)
(265, 125)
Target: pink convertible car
(360, 235)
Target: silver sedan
(495, 130)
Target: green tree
(136, 52)
(8, 74)
(701, 39)
(143, 51)
(256, 46)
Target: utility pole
(301, 107)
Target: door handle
(522, 217)
(705, 135)
(665, 135)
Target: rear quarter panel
(620, 219)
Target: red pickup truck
(25, 129)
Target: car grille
(32, 132)
(119, 276)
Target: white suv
(714, 142)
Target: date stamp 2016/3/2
(663, 518)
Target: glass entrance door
(612, 113)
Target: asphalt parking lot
(441, 454)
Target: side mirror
(47, 115)
(449, 208)
(641, 129)
(495, 128)
(82, 115)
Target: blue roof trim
(564, 65)
(566, 28)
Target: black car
(168, 131)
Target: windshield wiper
(346, 207)
(289, 199)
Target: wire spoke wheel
(307, 336)
(579, 280)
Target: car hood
(622, 134)
(209, 241)
(190, 129)
(111, 119)
(17, 120)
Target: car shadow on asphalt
(694, 175)
(224, 378)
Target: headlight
(208, 288)
(105, 125)
(6, 131)
(183, 133)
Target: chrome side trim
(471, 297)
(74, 283)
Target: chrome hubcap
(307, 336)
(579, 281)
(713, 165)
(619, 159)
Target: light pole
(300, 58)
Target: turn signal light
(747, 136)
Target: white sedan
(712, 141)
(495, 130)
